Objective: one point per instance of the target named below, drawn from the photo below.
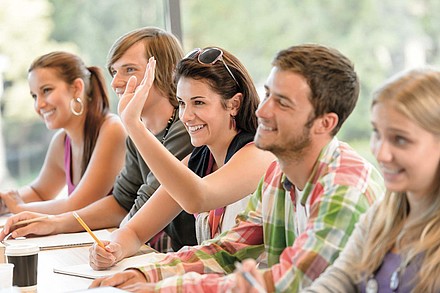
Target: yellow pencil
(88, 229)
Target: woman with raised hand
(71, 97)
(217, 103)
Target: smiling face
(202, 112)
(284, 114)
(132, 63)
(51, 96)
(408, 155)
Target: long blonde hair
(416, 94)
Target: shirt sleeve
(129, 180)
(333, 216)
(340, 277)
(209, 262)
(136, 183)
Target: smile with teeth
(267, 128)
(195, 128)
(47, 113)
(389, 171)
(119, 92)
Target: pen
(29, 221)
(249, 278)
(88, 229)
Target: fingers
(11, 223)
(131, 85)
(119, 280)
(100, 258)
(149, 72)
(140, 287)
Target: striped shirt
(341, 187)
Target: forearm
(128, 241)
(51, 207)
(104, 213)
(166, 168)
(28, 194)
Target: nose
(381, 150)
(39, 103)
(186, 113)
(264, 109)
(118, 83)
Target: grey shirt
(136, 183)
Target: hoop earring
(72, 106)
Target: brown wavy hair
(158, 43)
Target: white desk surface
(48, 281)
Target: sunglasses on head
(208, 57)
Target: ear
(326, 123)
(78, 87)
(234, 103)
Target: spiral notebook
(58, 241)
(85, 271)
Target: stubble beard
(292, 150)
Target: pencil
(29, 221)
(88, 229)
(249, 278)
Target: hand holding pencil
(27, 223)
(249, 279)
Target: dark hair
(69, 67)
(221, 82)
(158, 43)
(333, 83)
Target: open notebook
(60, 240)
(85, 271)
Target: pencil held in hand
(249, 278)
(78, 218)
(29, 221)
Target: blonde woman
(396, 247)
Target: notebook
(61, 240)
(85, 271)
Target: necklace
(169, 123)
(373, 287)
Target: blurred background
(380, 37)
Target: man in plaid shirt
(306, 206)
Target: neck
(156, 116)
(298, 169)
(220, 148)
(75, 130)
(418, 205)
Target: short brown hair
(333, 83)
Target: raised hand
(133, 99)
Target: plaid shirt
(341, 187)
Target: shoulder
(112, 126)
(344, 166)
(58, 139)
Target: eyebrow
(280, 96)
(192, 98)
(392, 129)
(126, 65)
